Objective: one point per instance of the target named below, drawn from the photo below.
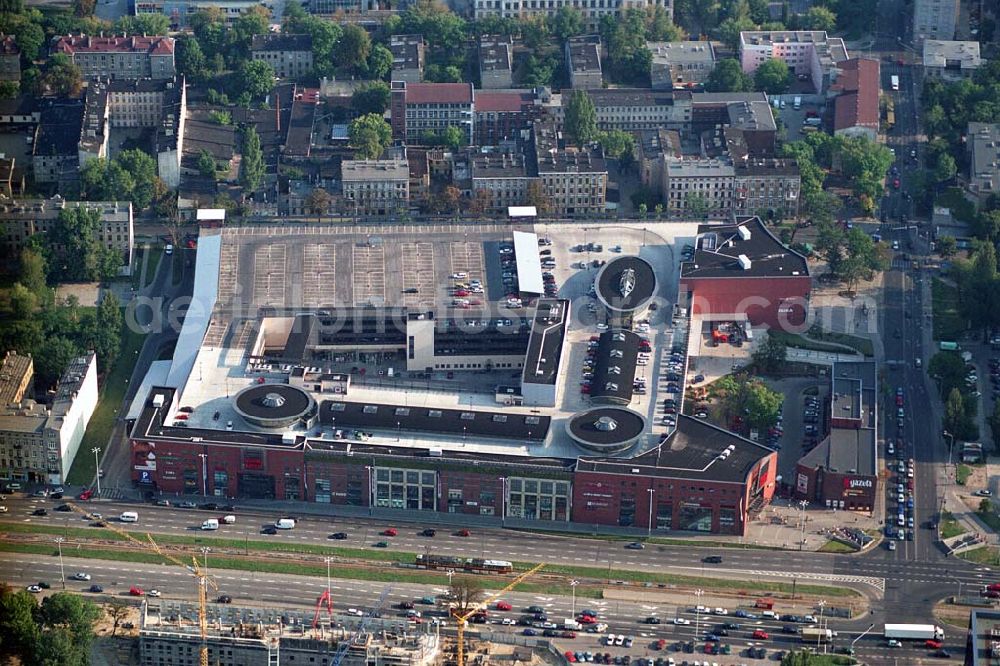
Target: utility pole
(97, 467)
(572, 586)
(697, 614)
(328, 560)
(62, 571)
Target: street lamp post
(951, 444)
(328, 560)
(62, 571)
(97, 466)
(572, 586)
(802, 523)
(822, 604)
(649, 523)
(204, 473)
(503, 501)
(697, 613)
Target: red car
(391, 531)
(933, 644)
(570, 657)
(136, 591)
(899, 401)
(588, 619)
(461, 292)
(465, 533)
(760, 634)
(660, 644)
(86, 494)
(895, 183)
(504, 606)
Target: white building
(809, 53)
(39, 444)
(376, 187)
(934, 19)
(680, 64)
(950, 60)
(592, 11)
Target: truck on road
(817, 635)
(919, 632)
(571, 625)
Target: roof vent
(605, 424)
(744, 261)
(273, 400)
(744, 232)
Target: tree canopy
(773, 77)
(371, 97)
(369, 135)
(252, 167)
(580, 118)
(728, 76)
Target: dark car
(535, 609)
(942, 654)
(428, 532)
(228, 508)
(210, 506)
(64, 507)
(224, 599)
(712, 559)
(338, 535)
(652, 620)
(789, 629)
(40, 512)
(270, 529)
(95, 588)
(42, 584)
(635, 545)
(405, 605)
(56, 496)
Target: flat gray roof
(548, 332)
(529, 264)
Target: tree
(730, 29)
(947, 246)
(56, 648)
(32, 273)
(318, 202)
(954, 411)
(862, 259)
(771, 354)
(617, 144)
(189, 58)
(102, 331)
(830, 244)
(148, 24)
(352, 49)
(76, 244)
(83, 8)
(566, 22)
(819, 18)
(73, 612)
(696, 205)
(539, 71)
(379, 62)
(481, 202)
(206, 165)
(142, 168)
(252, 165)
(866, 164)
(762, 405)
(29, 36)
(117, 610)
(580, 122)
(536, 197)
(255, 78)
(18, 631)
(772, 77)
(371, 97)
(944, 168)
(369, 135)
(466, 593)
(728, 76)
(61, 78)
(659, 26)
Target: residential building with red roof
(856, 106)
(125, 57)
(501, 115)
(422, 107)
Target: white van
(129, 517)
(169, 250)
(285, 523)
(229, 520)
(797, 104)
(210, 524)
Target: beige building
(290, 56)
(583, 61)
(592, 11)
(504, 176)
(37, 443)
(767, 187)
(950, 60)
(983, 148)
(680, 64)
(16, 373)
(635, 109)
(573, 180)
(376, 187)
(811, 54)
(698, 186)
(20, 219)
(124, 57)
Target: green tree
(730, 29)
(819, 18)
(252, 166)
(353, 47)
(453, 137)
(143, 24)
(762, 405)
(539, 71)
(206, 165)
(318, 202)
(617, 144)
(862, 258)
(325, 36)
(945, 168)
(18, 631)
(772, 77)
(371, 97)
(660, 27)
(379, 62)
(71, 611)
(33, 273)
(142, 169)
(189, 58)
(61, 77)
(76, 243)
(696, 205)
(57, 648)
(255, 78)
(728, 76)
(771, 354)
(580, 121)
(102, 331)
(29, 37)
(866, 164)
(954, 411)
(369, 135)
(52, 357)
(566, 22)
(436, 73)
(83, 8)
(947, 246)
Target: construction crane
(203, 578)
(323, 600)
(344, 646)
(462, 618)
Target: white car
(34, 589)
(721, 611)
(3, 509)
(620, 639)
(508, 621)
(357, 613)
(602, 327)
(153, 593)
(81, 576)
(682, 621)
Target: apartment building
(583, 61)
(680, 64)
(407, 58)
(10, 59)
(504, 175)
(573, 180)
(16, 374)
(635, 109)
(376, 187)
(20, 219)
(180, 11)
(592, 11)
(495, 58)
(290, 56)
(950, 60)
(37, 443)
(811, 54)
(417, 107)
(983, 148)
(856, 107)
(767, 187)
(124, 57)
(502, 115)
(934, 19)
(55, 144)
(695, 187)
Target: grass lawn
(103, 420)
(833, 546)
(861, 345)
(799, 342)
(949, 526)
(962, 473)
(948, 323)
(984, 555)
(155, 254)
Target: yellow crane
(462, 618)
(203, 578)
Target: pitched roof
(154, 45)
(502, 102)
(439, 93)
(281, 42)
(857, 105)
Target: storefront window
(322, 491)
(533, 499)
(404, 489)
(696, 518)
(664, 516)
(220, 481)
(727, 519)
